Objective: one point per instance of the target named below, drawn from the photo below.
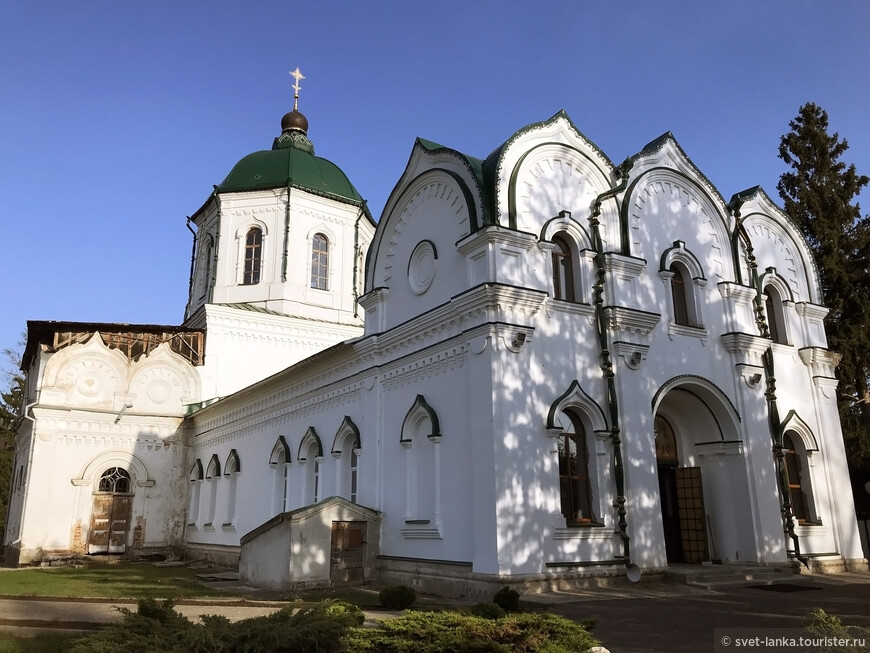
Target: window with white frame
(279, 461)
(310, 456)
(800, 490)
(195, 488)
(253, 258)
(115, 480)
(679, 288)
(563, 269)
(320, 262)
(684, 281)
(345, 449)
(206, 264)
(575, 488)
(232, 469)
(774, 312)
(421, 435)
(212, 475)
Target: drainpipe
(192, 264)
(285, 254)
(774, 422)
(607, 367)
(356, 258)
(217, 241)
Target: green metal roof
(278, 168)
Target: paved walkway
(654, 617)
(666, 618)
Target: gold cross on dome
(295, 74)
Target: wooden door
(110, 523)
(693, 519)
(347, 552)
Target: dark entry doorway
(347, 552)
(682, 500)
(110, 514)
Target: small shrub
(397, 597)
(487, 611)
(157, 628)
(507, 599)
(823, 625)
(437, 632)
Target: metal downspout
(774, 422)
(285, 253)
(217, 242)
(356, 258)
(607, 363)
(192, 264)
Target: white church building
(535, 367)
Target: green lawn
(108, 581)
(41, 643)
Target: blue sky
(117, 118)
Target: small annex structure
(567, 368)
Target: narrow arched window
(563, 270)
(797, 474)
(678, 292)
(209, 253)
(319, 262)
(354, 469)
(253, 256)
(775, 317)
(115, 480)
(574, 487)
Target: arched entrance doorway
(684, 519)
(110, 514)
(703, 487)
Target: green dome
(291, 162)
(279, 167)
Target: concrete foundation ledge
(456, 580)
(835, 564)
(216, 554)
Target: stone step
(710, 577)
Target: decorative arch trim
(772, 278)
(347, 430)
(576, 397)
(708, 196)
(279, 446)
(123, 459)
(309, 438)
(679, 254)
(795, 424)
(567, 224)
(600, 183)
(244, 228)
(379, 248)
(196, 471)
(232, 462)
(418, 408)
(214, 467)
(694, 379)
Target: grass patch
(41, 643)
(104, 581)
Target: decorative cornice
(496, 234)
(746, 349)
(822, 362)
(807, 309)
(631, 324)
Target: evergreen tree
(10, 405)
(819, 193)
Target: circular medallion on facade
(89, 384)
(159, 391)
(421, 267)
